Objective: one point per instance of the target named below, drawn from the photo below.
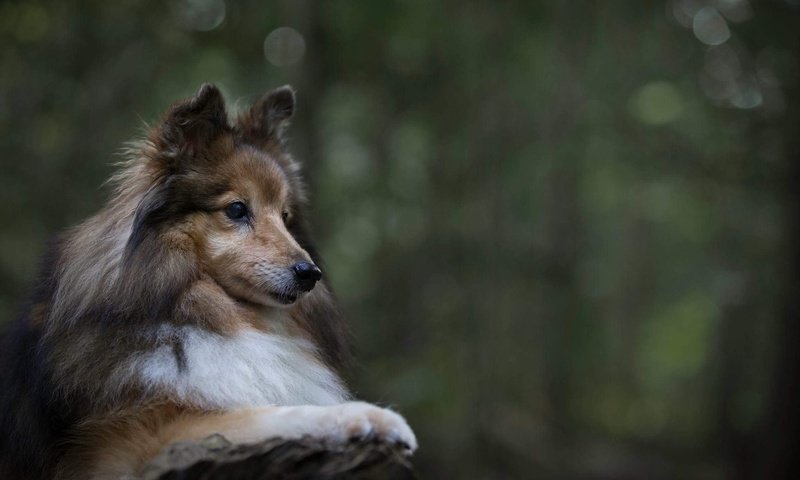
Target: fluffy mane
(125, 314)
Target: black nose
(307, 274)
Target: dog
(193, 303)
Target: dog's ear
(269, 116)
(191, 126)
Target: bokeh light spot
(747, 94)
(709, 27)
(200, 15)
(284, 46)
(685, 10)
(723, 63)
(657, 103)
(673, 339)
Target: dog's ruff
(171, 316)
(247, 369)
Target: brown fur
(162, 252)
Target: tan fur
(164, 317)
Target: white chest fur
(250, 368)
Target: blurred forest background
(564, 232)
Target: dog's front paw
(335, 424)
(363, 421)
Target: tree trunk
(215, 458)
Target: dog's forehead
(259, 175)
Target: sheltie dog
(192, 304)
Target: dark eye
(236, 211)
(285, 216)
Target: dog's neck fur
(262, 357)
(248, 368)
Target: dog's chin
(264, 298)
(273, 299)
(283, 299)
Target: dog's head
(228, 195)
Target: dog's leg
(332, 424)
(134, 444)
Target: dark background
(563, 231)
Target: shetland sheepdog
(193, 303)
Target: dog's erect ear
(269, 116)
(191, 125)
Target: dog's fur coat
(175, 312)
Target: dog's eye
(236, 211)
(285, 216)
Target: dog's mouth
(284, 298)
(262, 293)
